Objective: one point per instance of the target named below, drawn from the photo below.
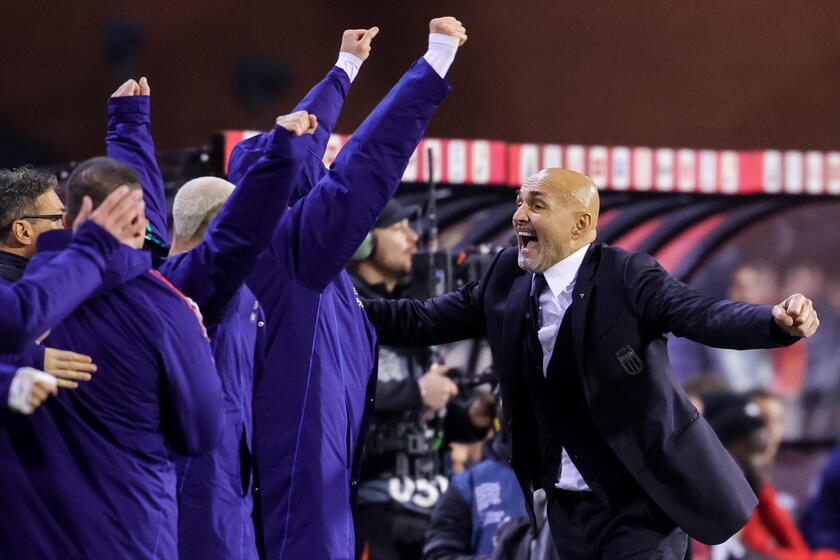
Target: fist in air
(796, 316)
(357, 41)
(449, 26)
(133, 87)
(298, 123)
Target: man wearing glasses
(29, 206)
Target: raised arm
(325, 100)
(211, 272)
(43, 297)
(667, 305)
(129, 140)
(320, 233)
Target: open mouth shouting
(528, 242)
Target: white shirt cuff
(20, 388)
(441, 53)
(350, 63)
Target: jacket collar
(12, 266)
(562, 274)
(590, 261)
(123, 265)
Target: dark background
(714, 73)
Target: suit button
(261, 324)
(354, 483)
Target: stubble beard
(526, 265)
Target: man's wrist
(136, 105)
(350, 63)
(441, 53)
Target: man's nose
(521, 215)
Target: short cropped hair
(97, 178)
(19, 189)
(196, 203)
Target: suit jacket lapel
(582, 295)
(517, 311)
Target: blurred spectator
(743, 370)
(705, 383)
(772, 410)
(477, 502)
(821, 386)
(515, 539)
(820, 521)
(770, 531)
(403, 468)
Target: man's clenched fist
(357, 41)
(133, 87)
(298, 123)
(797, 316)
(436, 389)
(449, 26)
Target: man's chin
(527, 263)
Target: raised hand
(298, 123)
(68, 367)
(357, 41)
(133, 87)
(120, 214)
(449, 26)
(796, 316)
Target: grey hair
(197, 203)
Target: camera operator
(403, 472)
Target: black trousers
(391, 532)
(583, 529)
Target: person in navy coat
(314, 397)
(90, 474)
(577, 333)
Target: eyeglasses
(51, 217)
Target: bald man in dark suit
(577, 330)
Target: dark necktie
(538, 286)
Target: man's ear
(21, 234)
(66, 222)
(582, 224)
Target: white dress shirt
(554, 301)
